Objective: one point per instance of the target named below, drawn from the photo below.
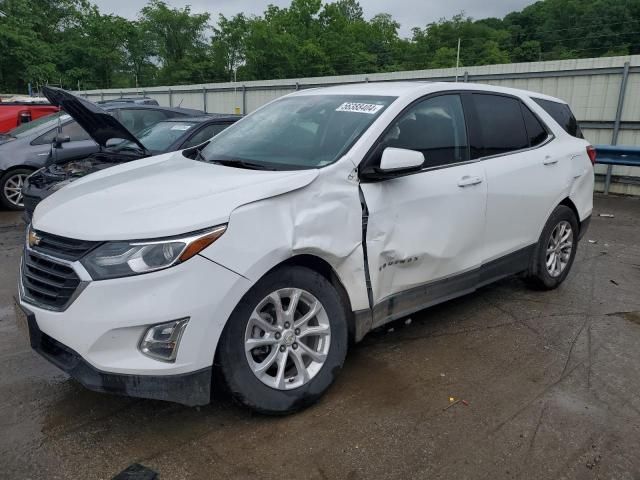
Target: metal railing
(611, 155)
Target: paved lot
(551, 380)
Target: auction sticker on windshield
(370, 108)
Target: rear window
(562, 114)
(502, 127)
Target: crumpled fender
(323, 219)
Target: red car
(13, 114)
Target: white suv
(260, 256)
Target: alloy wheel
(13, 189)
(287, 338)
(559, 248)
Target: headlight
(122, 259)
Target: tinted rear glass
(562, 114)
(501, 126)
(536, 132)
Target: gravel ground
(550, 383)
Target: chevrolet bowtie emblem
(34, 239)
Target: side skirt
(438, 291)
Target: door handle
(548, 160)
(467, 181)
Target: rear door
(424, 230)
(526, 175)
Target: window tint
(205, 134)
(434, 127)
(501, 125)
(74, 131)
(536, 132)
(136, 120)
(562, 114)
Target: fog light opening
(161, 342)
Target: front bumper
(189, 389)
(95, 339)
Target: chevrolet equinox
(259, 257)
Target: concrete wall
(592, 87)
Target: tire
(11, 180)
(541, 276)
(268, 391)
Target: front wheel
(11, 188)
(555, 250)
(285, 341)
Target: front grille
(46, 282)
(61, 247)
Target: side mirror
(400, 160)
(394, 161)
(60, 139)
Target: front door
(424, 230)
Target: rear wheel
(11, 188)
(556, 250)
(285, 342)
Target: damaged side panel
(422, 227)
(324, 220)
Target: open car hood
(98, 123)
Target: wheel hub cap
(287, 338)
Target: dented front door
(422, 228)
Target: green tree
(178, 39)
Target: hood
(98, 123)
(158, 197)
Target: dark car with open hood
(117, 144)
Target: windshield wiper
(242, 164)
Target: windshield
(26, 127)
(159, 137)
(307, 131)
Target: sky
(410, 13)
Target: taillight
(591, 151)
(24, 117)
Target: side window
(501, 125)
(137, 119)
(205, 134)
(434, 127)
(71, 129)
(562, 114)
(535, 131)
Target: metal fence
(604, 93)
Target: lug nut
(286, 325)
(282, 348)
(295, 345)
(278, 335)
(297, 331)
